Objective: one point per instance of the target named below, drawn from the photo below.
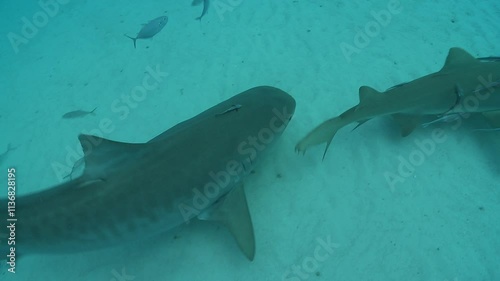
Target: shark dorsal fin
(367, 94)
(102, 155)
(458, 57)
(232, 212)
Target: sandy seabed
(440, 222)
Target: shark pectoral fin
(102, 155)
(407, 123)
(232, 211)
(493, 118)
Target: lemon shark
(464, 84)
(129, 190)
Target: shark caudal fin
(324, 133)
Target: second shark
(464, 85)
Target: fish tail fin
(324, 133)
(133, 39)
(92, 112)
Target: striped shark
(464, 85)
(128, 191)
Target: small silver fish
(233, 107)
(150, 29)
(78, 114)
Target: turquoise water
(336, 219)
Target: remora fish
(78, 114)
(234, 107)
(445, 118)
(205, 7)
(131, 191)
(150, 29)
(462, 79)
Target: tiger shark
(194, 170)
(464, 85)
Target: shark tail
(324, 133)
(133, 39)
